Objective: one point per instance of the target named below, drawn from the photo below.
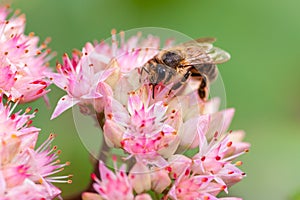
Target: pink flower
(80, 79)
(142, 128)
(129, 54)
(216, 154)
(23, 62)
(214, 158)
(93, 74)
(17, 125)
(151, 124)
(25, 172)
(119, 185)
(113, 185)
(190, 187)
(28, 190)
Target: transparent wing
(202, 51)
(206, 40)
(218, 55)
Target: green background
(262, 78)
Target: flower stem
(102, 156)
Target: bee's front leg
(141, 72)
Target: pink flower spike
(189, 187)
(113, 185)
(82, 81)
(26, 172)
(135, 51)
(145, 129)
(216, 154)
(15, 175)
(44, 162)
(23, 62)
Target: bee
(197, 59)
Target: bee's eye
(171, 59)
(161, 72)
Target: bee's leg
(203, 89)
(153, 88)
(142, 70)
(181, 82)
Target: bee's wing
(206, 40)
(202, 51)
(218, 55)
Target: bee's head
(172, 58)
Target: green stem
(104, 148)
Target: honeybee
(196, 59)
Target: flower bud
(160, 180)
(143, 196)
(113, 133)
(90, 196)
(140, 177)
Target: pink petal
(140, 177)
(122, 87)
(2, 184)
(158, 110)
(93, 94)
(212, 106)
(63, 104)
(113, 133)
(236, 137)
(103, 75)
(117, 112)
(134, 103)
(105, 174)
(160, 180)
(58, 79)
(178, 164)
(191, 129)
(220, 122)
(202, 128)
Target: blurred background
(262, 78)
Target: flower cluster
(180, 144)
(23, 62)
(176, 143)
(26, 171)
(92, 74)
(202, 175)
